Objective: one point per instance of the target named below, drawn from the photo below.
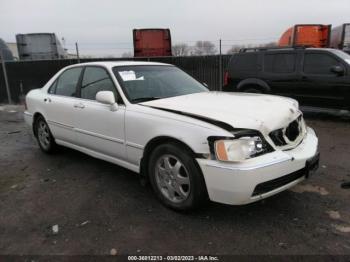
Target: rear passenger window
(319, 64)
(245, 62)
(96, 79)
(279, 63)
(67, 82)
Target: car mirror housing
(337, 70)
(107, 97)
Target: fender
(254, 81)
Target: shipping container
(152, 42)
(340, 37)
(5, 51)
(311, 35)
(39, 46)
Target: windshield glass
(148, 82)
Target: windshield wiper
(144, 99)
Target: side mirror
(339, 70)
(107, 97)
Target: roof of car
(118, 63)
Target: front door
(322, 87)
(97, 127)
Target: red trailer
(313, 35)
(152, 42)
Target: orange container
(152, 42)
(306, 35)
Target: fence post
(220, 67)
(77, 49)
(5, 77)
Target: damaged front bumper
(260, 177)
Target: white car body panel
(241, 110)
(121, 136)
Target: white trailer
(340, 37)
(39, 46)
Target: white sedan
(192, 144)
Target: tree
(180, 49)
(235, 49)
(204, 48)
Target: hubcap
(172, 178)
(43, 134)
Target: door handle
(79, 105)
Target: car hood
(240, 110)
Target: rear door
(59, 104)
(281, 72)
(322, 87)
(97, 127)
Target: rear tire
(43, 134)
(175, 178)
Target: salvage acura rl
(154, 119)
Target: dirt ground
(98, 206)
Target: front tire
(43, 134)
(175, 178)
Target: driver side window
(319, 64)
(67, 82)
(96, 79)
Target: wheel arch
(159, 140)
(254, 82)
(36, 115)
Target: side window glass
(245, 62)
(319, 64)
(96, 79)
(67, 82)
(52, 89)
(279, 63)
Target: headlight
(238, 149)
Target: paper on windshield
(129, 76)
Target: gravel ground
(73, 204)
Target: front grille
(278, 182)
(292, 130)
(277, 137)
(285, 136)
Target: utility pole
(5, 77)
(220, 67)
(77, 49)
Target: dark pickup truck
(318, 77)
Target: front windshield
(148, 82)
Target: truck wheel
(43, 134)
(175, 178)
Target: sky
(104, 27)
